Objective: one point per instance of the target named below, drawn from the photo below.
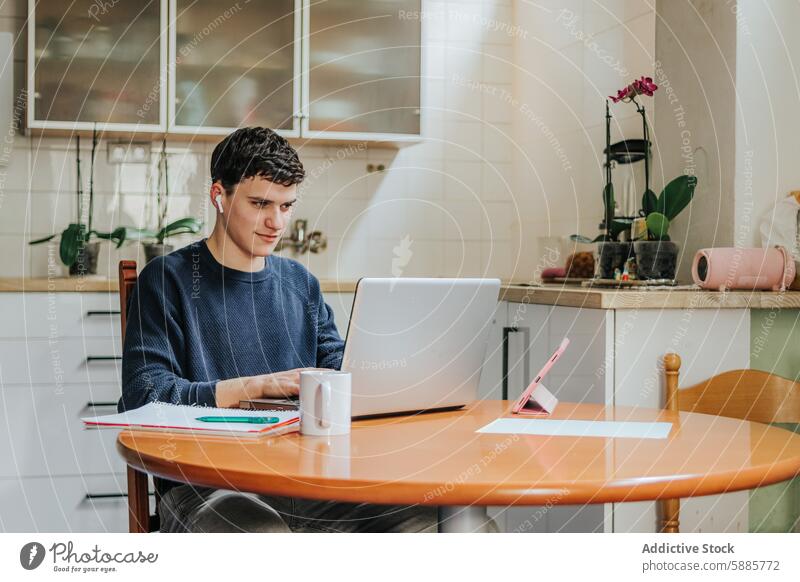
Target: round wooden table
(438, 459)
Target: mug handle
(325, 418)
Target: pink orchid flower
(621, 95)
(641, 86)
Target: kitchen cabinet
(93, 63)
(234, 67)
(362, 70)
(59, 361)
(338, 70)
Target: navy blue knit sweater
(193, 322)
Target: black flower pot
(151, 251)
(656, 259)
(86, 260)
(611, 256)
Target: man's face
(257, 212)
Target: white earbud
(218, 200)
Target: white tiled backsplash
(451, 196)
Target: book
(163, 416)
(270, 404)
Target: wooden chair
(139, 518)
(744, 394)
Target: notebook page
(172, 416)
(578, 428)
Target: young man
(223, 320)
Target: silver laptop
(417, 344)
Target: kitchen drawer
(44, 435)
(64, 504)
(46, 315)
(60, 361)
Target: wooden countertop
(565, 296)
(100, 284)
(571, 296)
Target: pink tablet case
(536, 399)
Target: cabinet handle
(91, 404)
(526, 336)
(109, 495)
(102, 358)
(94, 312)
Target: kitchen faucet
(300, 242)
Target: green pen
(245, 419)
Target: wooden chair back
(744, 394)
(139, 518)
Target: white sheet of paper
(587, 428)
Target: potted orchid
(79, 242)
(656, 254)
(613, 253)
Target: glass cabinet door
(363, 63)
(94, 62)
(235, 65)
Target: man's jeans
(187, 508)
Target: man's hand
(276, 385)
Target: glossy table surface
(438, 459)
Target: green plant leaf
(180, 226)
(618, 226)
(676, 196)
(43, 240)
(580, 238)
(122, 234)
(115, 236)
(602, 238)
(658, 225)
(130, 233)
(72, 239)
(649, 202)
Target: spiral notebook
(173, 417)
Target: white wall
(574, 55)
(450, 195)
(768, 111)
(694, 128)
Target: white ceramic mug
(325, 402)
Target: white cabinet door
(709, 342)
(59, 315)
(362, 81)
(97, 63)
(45, 436)
(491, 384)
(60, 361)
(64, 504)
(234, 66)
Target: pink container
(751, 269)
